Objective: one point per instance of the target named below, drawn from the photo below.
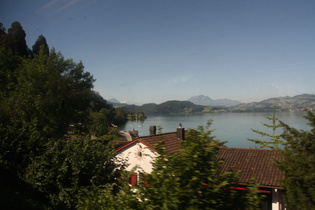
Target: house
(256, 166)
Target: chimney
(181, 132)
(152, 130)
(134, 134)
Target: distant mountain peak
(114, 100)
(207, 101)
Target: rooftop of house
(256, 166)
(170, 140)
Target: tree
(71, 168)
(40, 42)
(298, 164)
(40, 96)
(120, 116)
(275, 139)
(8, 65)
(16, 38)
(2, 33)
(49, 94)
(99, 123)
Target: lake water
(235, 128)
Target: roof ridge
(259, 149)
(159, 134)
(134, 141)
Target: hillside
(169, 107)
(295, 103)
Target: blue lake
(235, 128)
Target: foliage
(99, 122)
(136, 116)
(8, 64)
(15, 40)
(298, 164)
(42, 104)
(120, 117)
(40, 97)
(40, 43)
(119, 195)
(275, 139)
(68, 168)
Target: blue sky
(144, 51)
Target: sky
(152, 51)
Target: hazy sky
(157, 50)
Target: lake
(235, 128)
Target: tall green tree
(16, 39)
(40, 43)
(298, 164)
(49, 94)
(40, 96)
(273, 138)
(2, 33)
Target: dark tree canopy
(2, 30)
(41, 96)
(16, 38)
(2, 34)
(40, 42)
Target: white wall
(138, 155)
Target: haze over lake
(235, 128)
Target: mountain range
(207, 101)
(288, 103)
(295, 103)
(197, 100)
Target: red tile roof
(256, 165)
(171, 142)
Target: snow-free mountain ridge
(207, 101)
(114, 100)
